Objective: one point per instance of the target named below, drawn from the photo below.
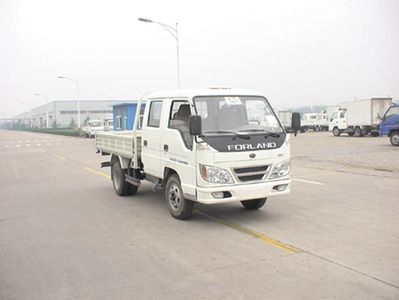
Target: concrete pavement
(64, 234)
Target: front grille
(251, 173)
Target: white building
(64, 114)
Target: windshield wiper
(268, 133)
(236, 134)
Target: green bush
(59, 131)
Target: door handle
(165, 148)
(145, 143)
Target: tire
(132, 189)
(394, 138)
(118, 179)
(358, 132)
(179, 207)
(317, 128)
(336, 131)
(254, 204)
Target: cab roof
(191, 93)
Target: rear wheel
(254, 204)
(179, 207)
(394, 138)
(358, 132)
(118, 179)
(336, 131)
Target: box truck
(207, 146)
(359, 117)
(285, 117)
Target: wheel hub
(174, 197)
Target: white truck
(208, 146)
(93, 127)
(359, 117)
(285, 117)
(314, 121)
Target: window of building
(154, 117)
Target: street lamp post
(175, 33)
(47, 102)
(76, 80)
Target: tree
(72, 124)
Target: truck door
(341, 122)
(177, 145)
(390, 121)
(151, 140)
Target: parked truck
(359, 117)
(285, 117)
(314, 121)
(92, 127)
(390, 124)
(207, 146)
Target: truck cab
(390, 124)
(208, 146)
(337, 122)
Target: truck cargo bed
(123, 143)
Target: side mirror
(195, 125)
(295, 122)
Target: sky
(295, 52)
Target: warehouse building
(64, 114)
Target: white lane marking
(7, 146)
(308, 181)
(38, 144)
(28, 145)
(17, 146)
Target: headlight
(215, 175)
(280, 170)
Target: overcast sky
(295, 52)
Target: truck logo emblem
(243, 147)
(252, 155)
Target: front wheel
(253, 204)
(179, 207)
(336, 131)
(394, 138)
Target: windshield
(223, 114)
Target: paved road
(64, 234)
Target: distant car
(93, 127)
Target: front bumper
(241, 192)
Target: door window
(393, 112)
(178, 119)
(342, 114)
(154, 117)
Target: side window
(342, 114)
(154, 117)
(178, 119)
(393, 112)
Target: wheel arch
(167, 172)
